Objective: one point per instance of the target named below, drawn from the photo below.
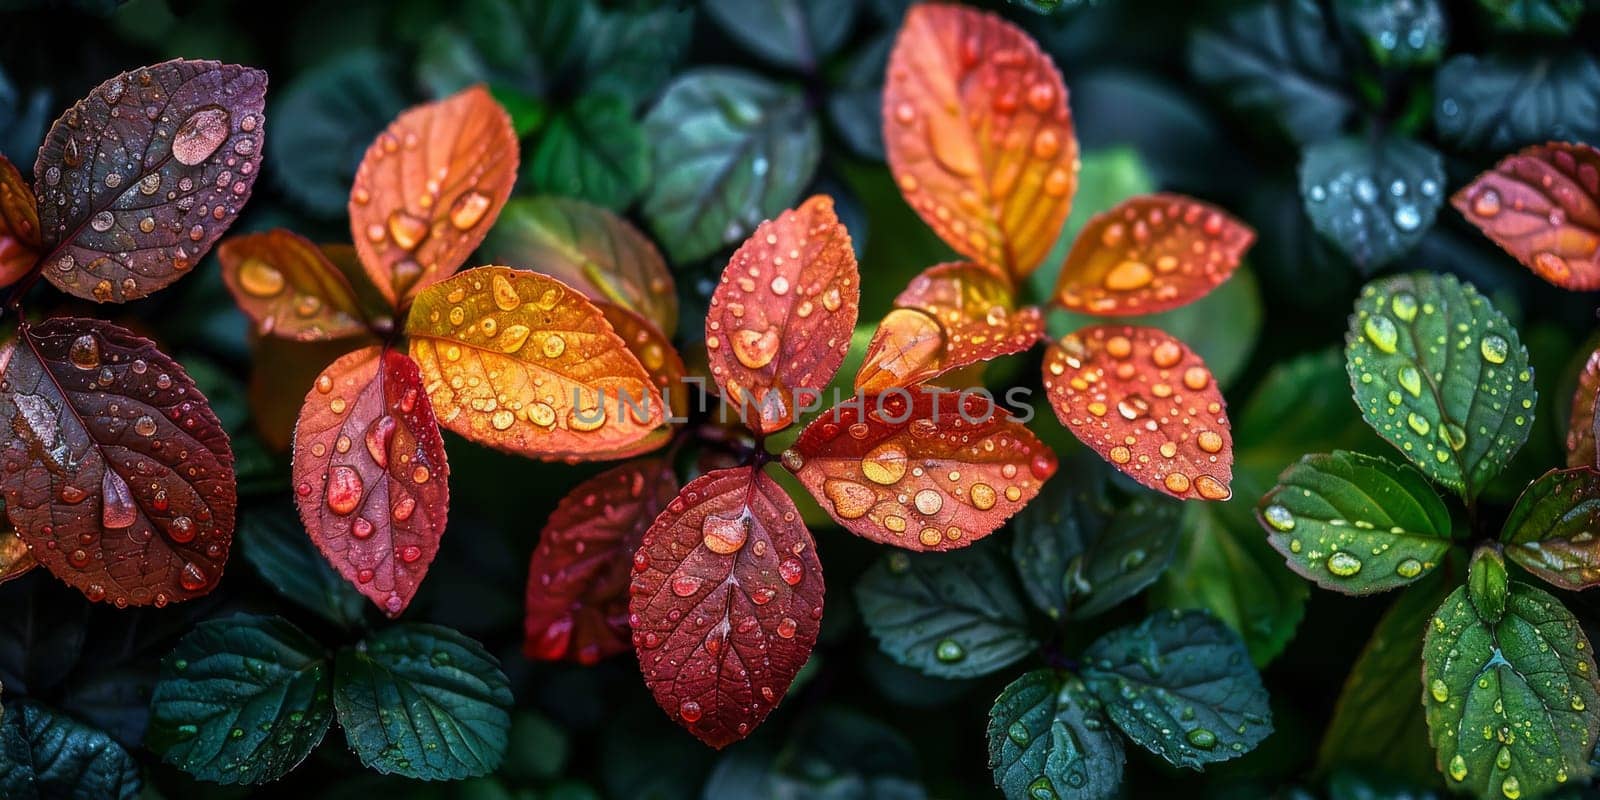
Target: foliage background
(856, 724)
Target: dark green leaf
(1398, 33)
(322, 124)
(1441, 374)
(1356, 524)
(1048, 737)
(274, 542)
(633, 53)
(45, 755)
(1181, 685)
(838, 755)
(1502, 102)
(951, 615)
(856, 103)
(731, 149)
(1487, 584)
(1551, 530)
(241, 700)
(593, 151)
(797, 34)
(1511, 705)
(425, 702)
(1535, 16)
(1374, 199)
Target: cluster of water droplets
(1371, 210)
(1150, 254)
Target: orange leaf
(657, 355)
(924, 470)
(726, 603)
(577, 600)
(979, 136)
(288, 287)
(951, 316)
(781, 319)
(429, 189)
(1143, 400)
(1151, 253)
(370, 475)
(1542, 206)
(281, 371)
(19, 225)
(522, 362)
(16, 559)
(1581, 450)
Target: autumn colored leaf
(370, 475)
(428, 190)
(726, 603)
(781, 319)
(522, 362)
(924, 470)
(281, 371)
(19, 225)
(288, 287)
(136, 181)
(665, 367)
(1581, 449)
(979, 136)
(15, 557)
(1542, 205)
(951, 316)
(1144, 401)
(116, 472)
(578, 579)
(1151, 253)
(591, 250)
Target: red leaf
(726, 603)
(1151, 253)
(936, 473)
(782, 317)
(1542, 206)
(19, 225)
(137, 180)
(289, 287)
(1581, 450)
(578, 579)
(116, 472)
(370, 475)
(1144, 401)
(951, 316)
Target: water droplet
(468, 210)
(344, 490)
(686, 585)
(85, 352)
(983, 496)
(1409, 568)
(755, 349)
(1494, 349)
(689, 710)
(725, 535)
(1202, 738)
(1511, 787)
(117, 509)
(791, 571)
(193, 578)
(181, 529)
(1410, 380)
(1380, 330)
(1440, 692)
(1343, 564)
(1458, 768)
(885, 464)
(554, 346)
(928, 501)
(406, 230)
(200, 135)
(1486, 204)
(1128, 276)
(1019, 734)
(949, 651)
(259, 278)
(1279, 517)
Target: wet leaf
(274, 541)
(1151, 253)
(1551, 530)
(47, 755)
(329, 114)
(1581, 448)
(577, 599)
(1441, 374)
(589, 249)
(281, 371)
(1046, 732)
(928, 469)
(1542, 206)
(19, 225)
(1527, 680)
(1398, 33)
(370, 475)
(1144, 401)
(241, 700)
(16, 559)
(950, 316)
(1551, 17)
(949, 615)
(428, 190)
(1374, 199)
(667, 372)
(288, 287)
(796, 34)
(979, 135)
(117, 473)
(730, 150)
(781, 318)
(423, 701)
(496, 333)
(1503, 101)
(1180, 685)
(726, 603)
(593, 151)
(139, 179)
(1356, 524)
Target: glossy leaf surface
(1581, 445)
(1372, 198)
(1498, 102)
(288, 287)
(274, 541)
(137, 180)
(593, 151)
(1542, 206)
(726, 603)
(48, 755)
(1046, 732)
(19, 225)
(1551, 530)
(117, 473)
(668, 374)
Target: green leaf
(632, 53)
(241, 700)
(1441, 374)
(274, 541)
(797, 34)
(1511, 704)
(1535, 16)
(855, 105)
(1278, 58)
(45, 755)
(1374, 199)
(1551, 529)
(1356, 524)
(321, 126)
(425, 702)
(1181, 685)
(950, 615)
(1398, 33)
(731, 149)
(593, 151)
(1487, 584)
(1048, 737)
(1502, 102)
